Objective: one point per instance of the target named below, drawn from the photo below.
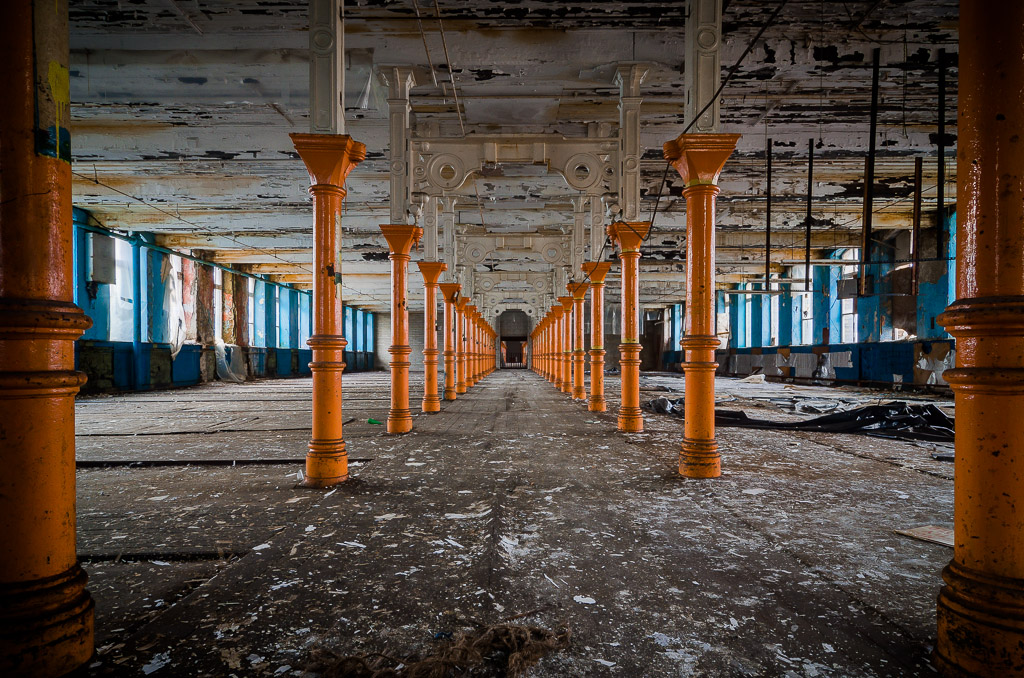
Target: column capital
(450, 291)
(328, 157)
(566, 303)
(431, 271)
(596, 271)
(400, 237)
(699, 158)
(578, 290)
(461, 303)
(629, 234)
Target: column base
(631, 420)
(399, 421)
(699, 459)
(46, 625)
(450, 393)
(326, 464)
(980, 624)
(597, 405)
(432, 405)
(460, 389)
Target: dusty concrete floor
(513, 499)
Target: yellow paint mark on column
(60, 90)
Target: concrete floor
(512, 500)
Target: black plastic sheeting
(897, 419)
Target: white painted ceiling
(186, 106)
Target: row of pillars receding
(558, 339)
(469, 340)
(46, 613)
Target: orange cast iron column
(431, 271)
(328, 158)
(596, 271)
(981, 607)
(699, 158)
(558, 346)
(460, 345)
(470, 321)
(579, 354)
(46, 615)
(400, 238)
(475, 354)
(451, 296)
(566, 344)
(629, 236)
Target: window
(848, 308)
(218, 304)
(251, 315)
(122, 303)
(773, 317)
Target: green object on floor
(374, 421)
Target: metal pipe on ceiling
(869, 177)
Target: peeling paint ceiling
(186, 107)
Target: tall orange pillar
(476, 346)
(431, 271)
(596, 271)
(699, 158)
(981, 606)
(46, 615)
(566, 344)
(451, 328)
(579, 294)
(460, 344)
(400, 239)
(629, 236)
(470, 312)
(328, 158)
(558, 345)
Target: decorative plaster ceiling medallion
(446, 171)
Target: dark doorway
(513, 330)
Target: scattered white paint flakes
(584, 600)
(454, 543)
(158, 661)
(552, 582)
(295, 499)
(254, 659)
(604, 662)
(464, 516)
(325, 496)
(661, 639)
(755, 491)
(415, 463)
(389, 516)
(160, 562)
(828, 648)
(284, 584)
(160, 498)
(261, 547)
(310, 528)
(353, 544)
(282, 669)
